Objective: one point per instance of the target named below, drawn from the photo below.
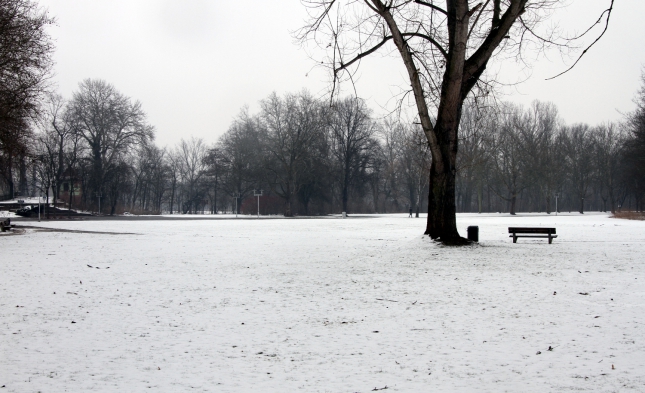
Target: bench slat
(531, 230)
(543, 236)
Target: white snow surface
(323, 305)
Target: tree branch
(434, 7)
(476, 64)
(363, 54)
(430, 39)
(608, 12)
(477, 19)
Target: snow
(322, 305)
(24, 201)
(7, 214)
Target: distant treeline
(95, 150)
(311, 158)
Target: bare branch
(363, 54)
(430, 39)
(608, 12)
(434, 7)
(477, 19)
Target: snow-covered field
(322, 305)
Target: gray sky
(194, 64)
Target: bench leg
(514, 238)
(550, 239)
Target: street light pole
(556, 203)
(258, 193)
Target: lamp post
(39, 196)
(556, 203)
(258, 193)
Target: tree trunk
(344, 195)
(10, 175)
(513, 202)
(479, 199)
(418, 203)
(442, 222)
(172, 197)
(288, 203)
(22, 182)
(71, 195)
(548, 204)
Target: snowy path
(323, 306)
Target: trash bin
(473, 233)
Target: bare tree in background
(473, 158)
(445, 48)
(414, 166)
(214, 174)
(634, 153)
(110, 124)
(508, 158)
(25, 65)
(351, 130)
(56, 139)
(542, 150)
(294, 124)
(578, 148)
(393, 138)
(241, 157)
(174, 175)
(192, 163)
(608, 144)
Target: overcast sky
(194, 64)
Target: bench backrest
(531, 230)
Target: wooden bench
(5, 225)
(532, 232)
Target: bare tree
(192, 164)
(351, 131)
(25, 65)
(214, 174)
(445, 50)
(472, 162)
(56, 139)
(110, 124)
(634, 152)
(509, 162)
(608, 143)
(393, 138)
(294, 125)
(414, 166)
(150, 172)
(174, 173)
(241, 157)
(578, 149)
